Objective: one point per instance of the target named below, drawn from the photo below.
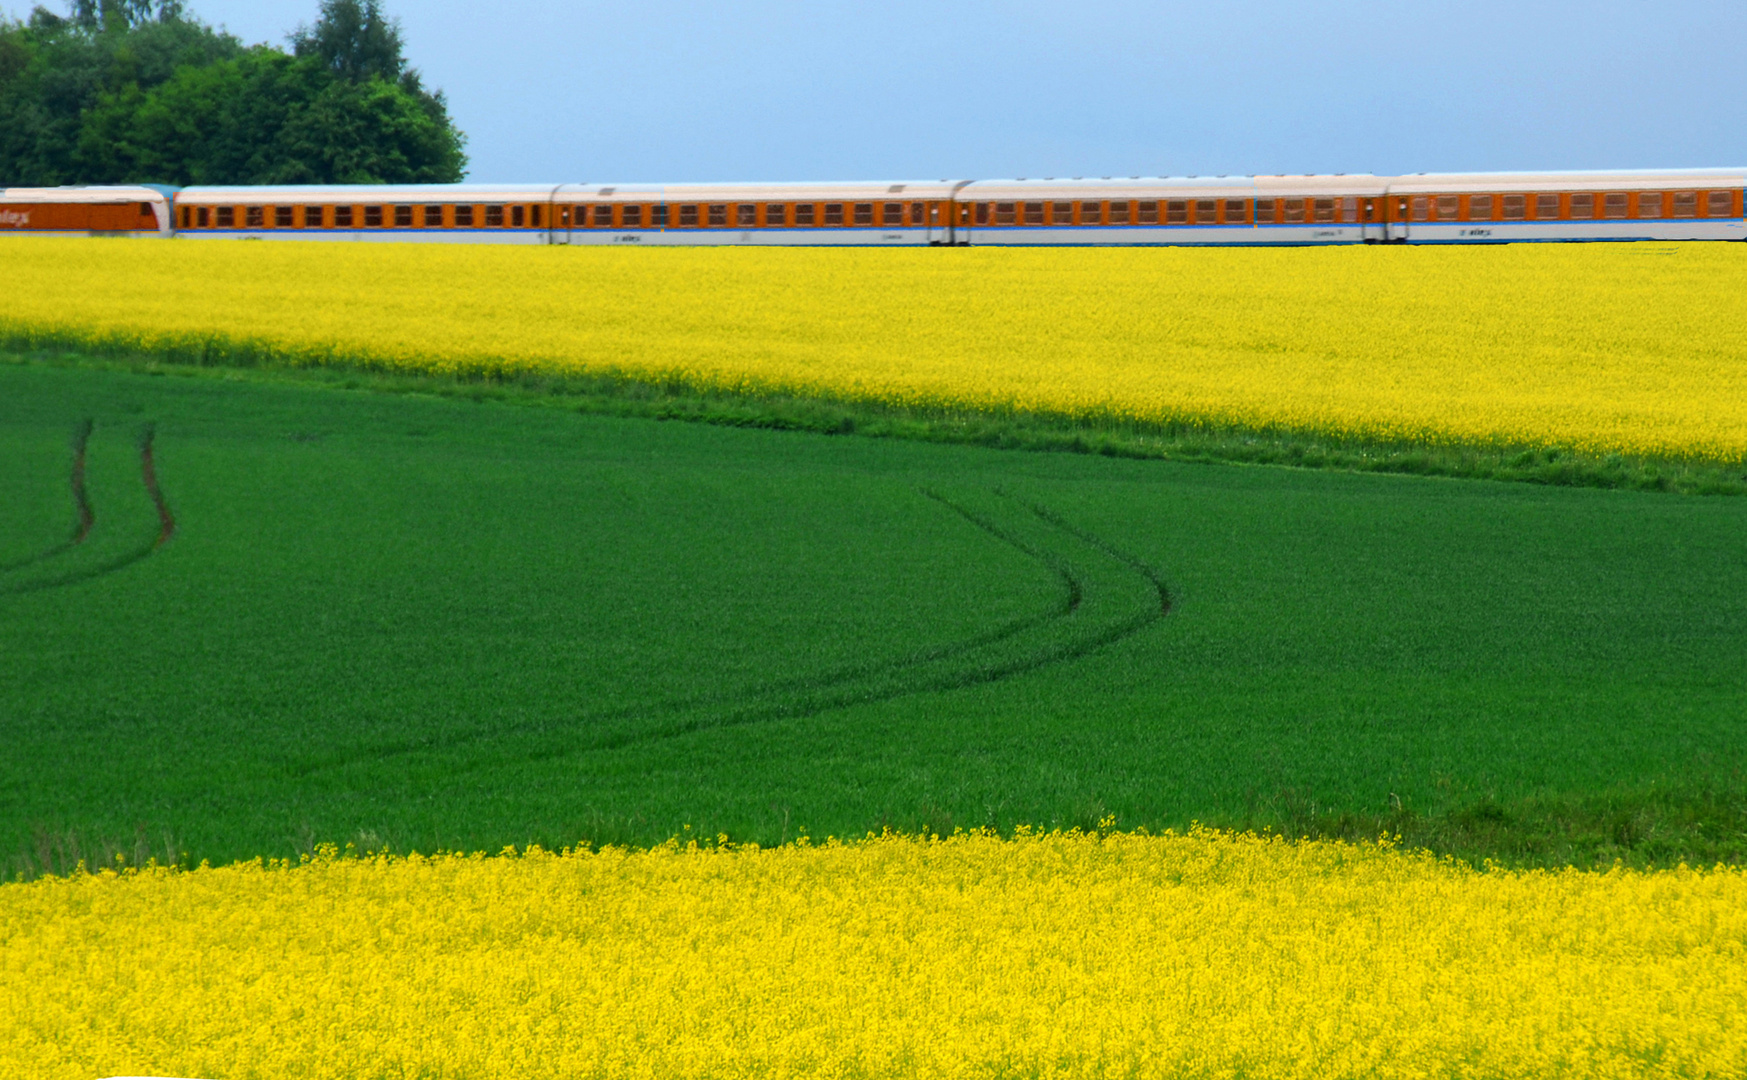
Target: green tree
(135, 91)
(354, 40)
(54, 71)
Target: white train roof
(368, 193)
(1618, 180)
(93, 194)
(1174, 187)
(845, 191)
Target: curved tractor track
(15, 578)
(1104, 595)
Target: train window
(1119, 213)
(1448, 207)
(864, 213)
(1206, 211)
(433, 217)
(1349, 208)
(536, 216)
(1146, 212)
(1479, 208)
(688, 216)
(631, 217)
(1422, 208)
(918, 215)
(1649, 204)
(1006, 213)
(373, 217)
(464, 217)
(833, 213)
(603, 215)
(1614, 204)
(893, 214)
(658, 216)
(342, 217)
(1546, 206)
(982, 213)
(1322, 210)
(1684, 204)
(1034, 213)
(1514, 207)
(518, 216)
(254, 217)
(227, 217)
(1583, 205)
(146, 209)
(776, 214)
(1089, 214)
(804, 213)
(403, 217)
(1720, 204)
(187, 218)
(718, 215)
(494, 217)
(1265, 211)
(1234, 211)
(282, 217)
(1176, 212)
(745, 215)
(1294, 211)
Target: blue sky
(762, 90)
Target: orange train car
(1449, 208)
(87, 211)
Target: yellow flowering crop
(1069, 955)
(1601, 347)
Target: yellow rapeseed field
(1632, 348)
(1062, 955)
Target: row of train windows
(1550, 206)
(601, 215)
(371, 217)
(750, 215)
(1581, 205)
(1344, 210)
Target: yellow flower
(1060, 954)
(1631, 348)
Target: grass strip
(614, 394)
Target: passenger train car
(1426, 208)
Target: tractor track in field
(861, 683)
(990, 671)
(85, 518)
(87, 522)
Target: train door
(1395, 228)
(561, 223)
(1371, 227)
(937, 227)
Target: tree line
(141, 91)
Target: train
(1358, 208)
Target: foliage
(126, 94)
(1600, 349)
(442, 623)
(1061, 954)
(356, 41)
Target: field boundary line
(1186, 439)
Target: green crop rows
(422, 622)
